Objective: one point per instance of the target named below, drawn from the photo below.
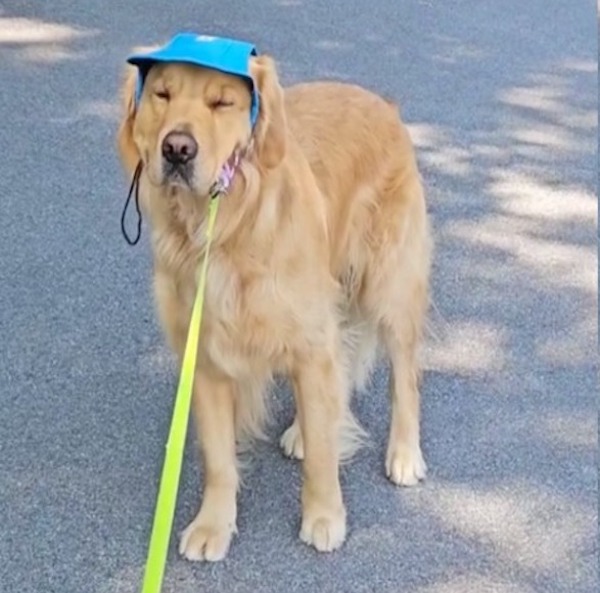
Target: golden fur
(321, 252)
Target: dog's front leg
(209, 535)
(321, 397)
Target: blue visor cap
(227, 55)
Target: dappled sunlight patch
(84, 112)
(474, 582)
(534, 530)
(585, 119)
(534, 124)
(438, 151)
(374, 535)
(101, 109)
(559, 114)
(46, 53)
(426, 135)
(576, 345)
(560, 264)
(575, 429)
(491, 151)
(450, 160)
(457, 51)
(525, 195)
(547, 98)
(465, 348)
(39, 42)
(126, 580)
(330, 44)
(23, 30)
(576, 65)
(546, 135)
(158, 360)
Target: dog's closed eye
(162, 94)
(221, 103)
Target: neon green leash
(169, 481)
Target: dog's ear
(271, 130)
(128, 151)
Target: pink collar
(225, 179)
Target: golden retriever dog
(321, 253)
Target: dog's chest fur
(258, 313)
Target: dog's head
(188, 121)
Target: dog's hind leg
(291, 439)
(397, 295)
(359, 352)
(404, 462)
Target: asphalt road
(501, 98)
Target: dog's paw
(203, 540)
(405, 465)
(326, 531)
(291, 441)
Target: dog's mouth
(178, 175)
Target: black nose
(179, 148)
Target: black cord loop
(134, 187)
